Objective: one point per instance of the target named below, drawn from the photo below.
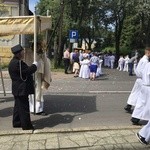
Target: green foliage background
(120, 26)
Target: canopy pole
(35, 47)
(2, 78)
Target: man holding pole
(22, 86)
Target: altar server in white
(126, 63)
(120, 63)
(132, 100)
(142, 109)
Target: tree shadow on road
(53, 120)
(6, 112)
(63, 108)
(6, 99)
(69, 103)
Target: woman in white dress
(85, 70)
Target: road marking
(92, 92)
(7, 92)
(109, 92)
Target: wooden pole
(35, 47)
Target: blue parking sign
(73, 34)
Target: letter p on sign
(73, 34)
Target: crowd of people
(125, 63)
(83, 64)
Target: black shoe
(135, 121)
(141, 139)
(28, 128)
(42, 113)
(17, 126)
(127, 109)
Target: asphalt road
(74, 102)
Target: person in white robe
(108, 61)
(99, 68)
(42, 81)
(105, 60)
(112, 61)
(126, 59)
(144, 134)
(135, 65)
(85, 70)
(71, 61)
(142, 109)
(133, 97)
(80, 55)
(120, 63)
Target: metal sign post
(73, 37)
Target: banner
(23, 24)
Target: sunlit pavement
(82, 114)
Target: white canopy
(23, 24)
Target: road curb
(82, 129)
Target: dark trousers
(21, 113)
(66, 64)
(130, 68)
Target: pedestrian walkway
(84, 139)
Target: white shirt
(67, 54)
